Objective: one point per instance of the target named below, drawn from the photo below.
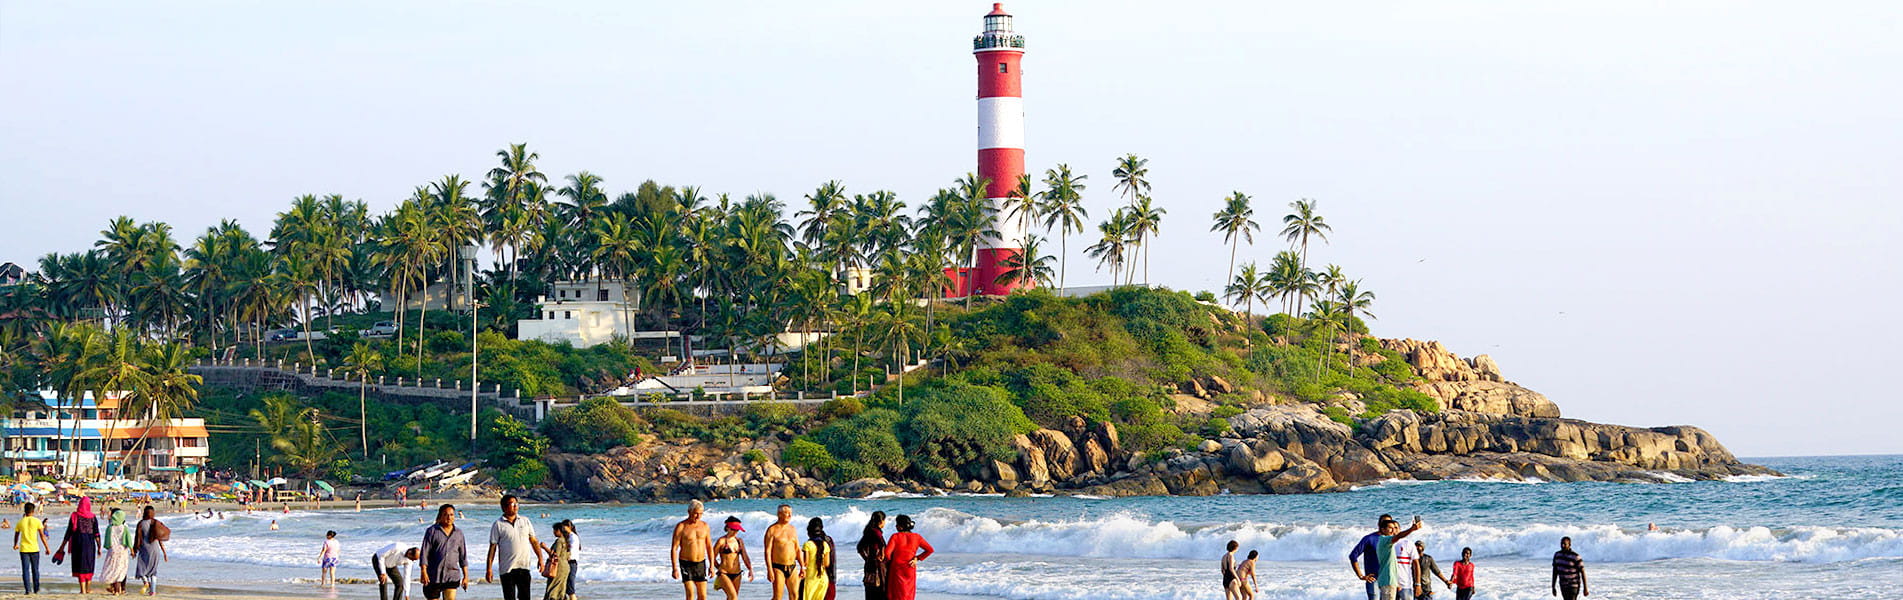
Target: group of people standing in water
(795, 570)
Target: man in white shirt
(512, 538)
(1404, 555)
(392, 564)
(574, 558)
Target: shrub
(772, 418)
(1205, 296)
(1370, 345)
(524, 474)
(810, 456)
(753, 456)
(869, 439)
(1225, 411)
(843, 407)
(594, 426)
(1215, 427)
(954, 424)
(1340, 415)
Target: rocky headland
(1488, 428)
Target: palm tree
(1064, 210)
(971, 219)
(826, 202)
(1027, 264)
(1023, 204)
(617, 249)
(1146, 220)
(1243, 289)
(512, 204)
(1237, 223)
(297, 433)
(1326, 317)
(1302, 224)
(362, 360)
(1113, 243)
(586, 201)
(858, 313)
(1133, 177)
(1354, 301)
(1288, 280)
(167, 391)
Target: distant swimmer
(274, 524)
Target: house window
(1004, 67)
(567, 314)
(601, 295)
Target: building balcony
(990, 41)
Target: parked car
(280, 335)
(380, 329)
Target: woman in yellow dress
(818, 556)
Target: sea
(1832, 527)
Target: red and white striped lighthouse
(1000, 145)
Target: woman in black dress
(81, 544)
(871, 547)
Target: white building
(585, 313)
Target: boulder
(1092, 459)
(1217, 384)
(1252, 458)
(1301, 478)
(1432, 360)
(1489, 397)
(1031, 462)
(1194, 388)
(1146, 485)
(1486, 368)
(1004, 475)
(1210, 446)
(1060, 456)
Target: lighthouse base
(983, 280)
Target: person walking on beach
(690, 551)
(872, 550)
(152, 535)
(1569, 572)
(29, 537)
(81, 544)
(392, 564)
(327, 560)
(730, 556)
(783, 555)
(1389, 583)
(1245, 576)
(816, 583)
(1369, 566)
(1229, 588)
(1463, 580)
(556, 569)
(902, 553)
(119, 543)
(1423, 567)
(445, 557)
(574, 555)
(512, 537)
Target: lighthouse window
(1004, 68)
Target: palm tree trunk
(1232, 260)
(421, 317)
(363, 411)
(1063, 262)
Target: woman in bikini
(730, 556)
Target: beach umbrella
(43, 487)
(275, 481)
(322, 485)
(64, 485)
(238, 486)
(259, 484)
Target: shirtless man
(691, 551)
(784, 563)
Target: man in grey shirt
(1424, 566)
(445, 557)
(512, 539)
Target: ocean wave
(1127, 535)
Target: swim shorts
(694, 570)
(330, 563)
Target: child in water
(326, 558)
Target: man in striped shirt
(1569, 572)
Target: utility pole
(469, 255)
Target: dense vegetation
(732, 272)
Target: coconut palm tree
(1023, 204)
(512, 203)
(362, 361)
(167, 390)
(826, 202)
(1133, 177)
(1354, 301)
(1287, 280)
(1242, 289)
(1146, 219)
(1113, 245)
(1302, 224)
(1063, 210)
(1028, 264)
(1237, 223)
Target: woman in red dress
(902, 553)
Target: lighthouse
(999, 51)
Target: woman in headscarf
(118, 542)
(150, 550)
(872, 549)
(902, 554)
(81, 543)
(818, 550)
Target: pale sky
(1654, 213)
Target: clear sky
(1655, 213)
